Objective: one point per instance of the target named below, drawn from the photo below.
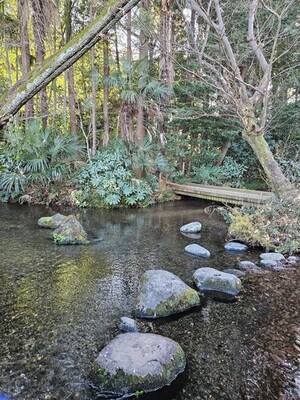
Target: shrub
(34, 158)
(274, 226)
(107, 181)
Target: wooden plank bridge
(221, 193)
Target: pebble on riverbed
(192, 227)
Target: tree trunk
(39, 30)
(144, 69)
(39, 77)
(106, 91)
(224, 151)
(93, 101)
(23, 15)
(70, 71)
(279, 183)
(166, 67)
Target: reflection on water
(59, 306)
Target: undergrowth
(274, 226)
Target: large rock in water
(51, 222)
(162, 294)
(192, 227)
(137, 362)
(70, 231)
(217, 283)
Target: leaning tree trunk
(279, 183)
(42, 74)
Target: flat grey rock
(192, 227)
(249, 266)
(197, 250)
(137, 362)
(129, 325)
(210, 280)
(236, 272)
(235, 246)
(268, 262)
(272, 256)
(192, 235)
(162, 293)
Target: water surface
(60, 305)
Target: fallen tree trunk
(39, 77)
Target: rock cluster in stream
(67, 229)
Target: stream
(60, 305)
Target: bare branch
(251, 38)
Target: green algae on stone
(70, 231)
(51, 222)
(162, 294)
(137, 362)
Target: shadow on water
(60, 305)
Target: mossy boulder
(162, 294)
(70, 231)
(137, 363)
(51, 222)
(217, 283)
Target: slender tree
(247, 93)
(23, 15)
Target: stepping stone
(192, 227)
(217, 283)
(162, 294)
(235, 246)
(137, 362)
(197, 250)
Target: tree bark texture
(23, 15)
(39, 77)
(39, 31)
(70, 71)
(106, 91)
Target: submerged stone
(249, 266)
(129, 325)
(272, 256)
(137, 363)
(236, 272)
(197, 250)
(162, 294)
(70, 231)
(192, 227)
(235, 246)
(192, 235)
(219, 284)
(51, 222)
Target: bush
(107, 181)
(32, 159)
(274, 226)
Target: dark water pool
(60, 305)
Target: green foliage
(107, 181)
(233, 172)
(207, 174)
(34, 158)
(274, 226)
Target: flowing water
(60, 305)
